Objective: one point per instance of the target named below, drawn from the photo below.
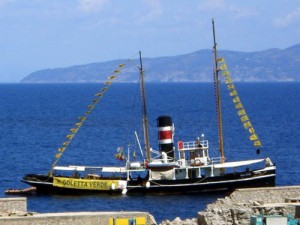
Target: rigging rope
(237, 103)
(74, 130)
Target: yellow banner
(84, 184)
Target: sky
(42, 34)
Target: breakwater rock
(237, 208)
(225, 211)
(178, 221)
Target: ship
(183, 167)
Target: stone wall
(267, 195)
(12, 205)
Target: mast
(145, 116)
(218, 96)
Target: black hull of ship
(211, 184)
(227, 183)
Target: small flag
(226, 73)
(241, 112)
(70, 136)
(233, 93)
(82, 118)
(244, 118)
(96, 100)
(230, 87)
(228, 80)
(62, 149)
(239, 106)
(74, 130)
(257, 143)
(251, 130)
(223, 67)
(66, 143)
(220, 60)
(247, 125)
(112, 77)
(91, 106)
(253, 137)
(78, 124)
(236, 99)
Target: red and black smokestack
(165, 135)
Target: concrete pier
(13, 211)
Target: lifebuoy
(197, 162)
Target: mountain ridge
(271, 65)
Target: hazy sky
(40, 34)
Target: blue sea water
(35, 119)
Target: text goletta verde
(82, 183)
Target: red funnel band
(166, 134)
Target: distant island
(272, 65)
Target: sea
(36, 118)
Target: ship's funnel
(165, 135)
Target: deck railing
(192, 145)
